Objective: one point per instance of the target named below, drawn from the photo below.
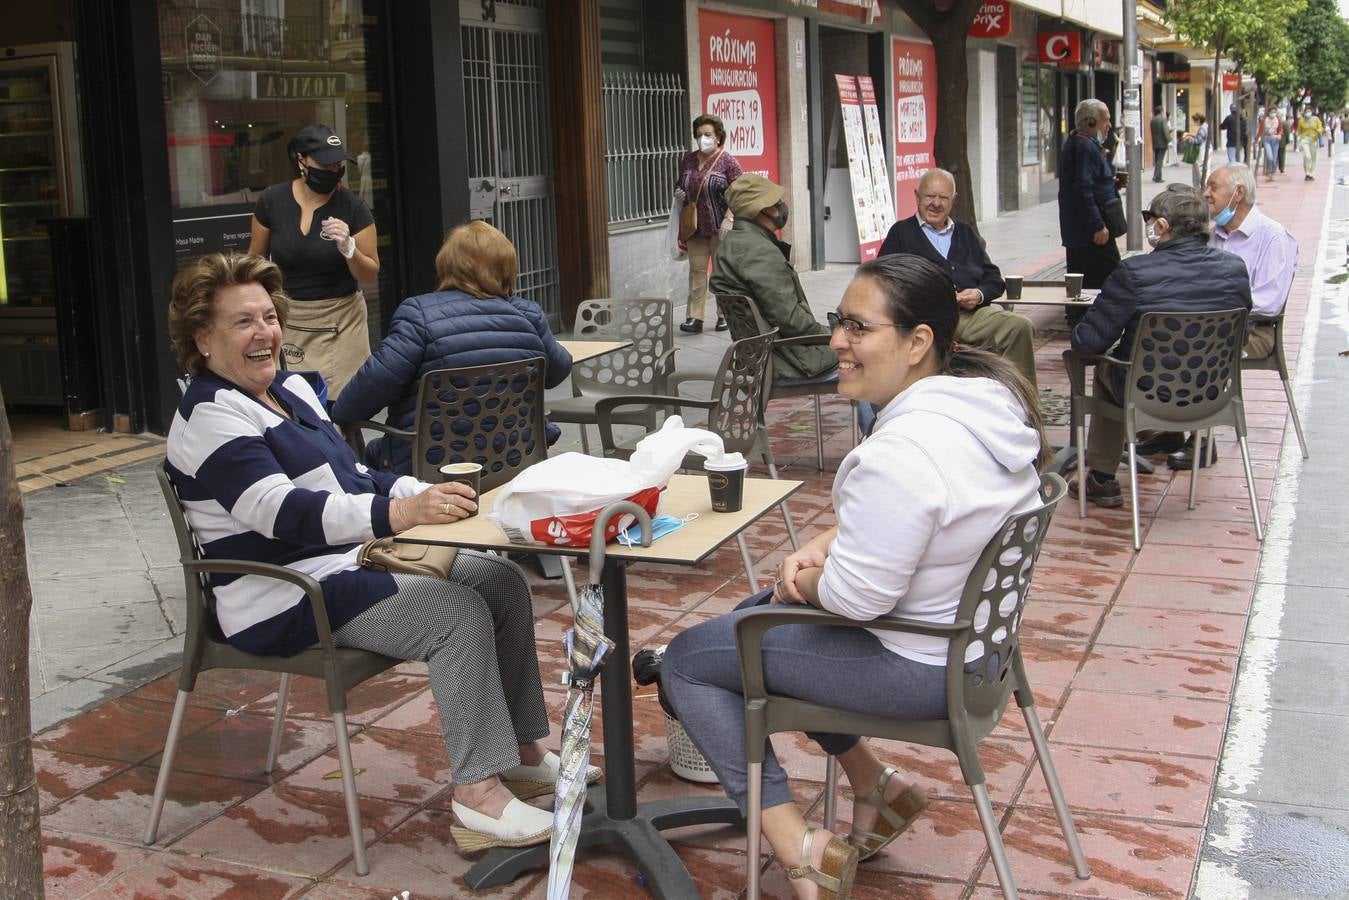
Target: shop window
(240, 79)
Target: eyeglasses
(853, 329)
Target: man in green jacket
(752, 261)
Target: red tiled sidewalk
(1132, 658)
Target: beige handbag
(388, 554)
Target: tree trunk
(948, 30)
(20, 831)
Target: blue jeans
(846, 668)
(1271, 145)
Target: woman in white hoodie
(956, 449)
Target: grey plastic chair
(734, 412)
(1277, 362)
(988, 621)
(640, 369)
(491, 415)
(340, 668)
(1184, 375)
(744, 319)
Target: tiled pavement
(1132, 657)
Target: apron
(330, 337)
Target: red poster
(739, 85)
(1063, 48)
(994, 20)
(1231, 81)
(915, 65)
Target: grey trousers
(848, 668)
(475, 632)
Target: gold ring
(448, 507)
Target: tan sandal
(895, 816)
(836, 871)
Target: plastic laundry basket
(685, 759)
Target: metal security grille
(646, 128)
(510, 157)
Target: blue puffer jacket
(444, 330)
(1182, 275)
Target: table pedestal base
(638, 838)
(1065, 462)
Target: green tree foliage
(1252, 33)
(1320, 40)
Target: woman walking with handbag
(704, 175)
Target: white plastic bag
(677, 250)
(557, 501)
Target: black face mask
(780, 220)
(322, 181)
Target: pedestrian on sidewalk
(1271, 139)
(1232, 127)
(1310, 130)
(1197, 149)
(1161, 141)
(264, 476)
(1178, 230)
(704, 176)
(1086, 185)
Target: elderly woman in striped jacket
(264, 475)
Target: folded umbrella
(587, 649)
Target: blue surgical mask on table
(660, 527)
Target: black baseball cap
(320, 144)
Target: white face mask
(1153, 237)
(707, 143)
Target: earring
(206, 355)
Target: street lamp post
(1132, 119)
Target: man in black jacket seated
(1182, 274)
(935, 236)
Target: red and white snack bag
(557, 501)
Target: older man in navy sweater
(935, 236)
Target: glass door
(31, 182)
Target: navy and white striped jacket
(258, 486)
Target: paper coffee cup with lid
(726, 481)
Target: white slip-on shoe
(528, 782)
(520, 825)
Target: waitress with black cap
(323, 238)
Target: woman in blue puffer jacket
(472, 319)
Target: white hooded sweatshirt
(948, 461)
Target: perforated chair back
(741, 315)
(639, 369)
(740, 393)
(1185, 369)
(992, 603)
(491, 415)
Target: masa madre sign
(915, 78)
(737, 68)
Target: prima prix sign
(994, 20)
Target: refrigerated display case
(40, 180)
